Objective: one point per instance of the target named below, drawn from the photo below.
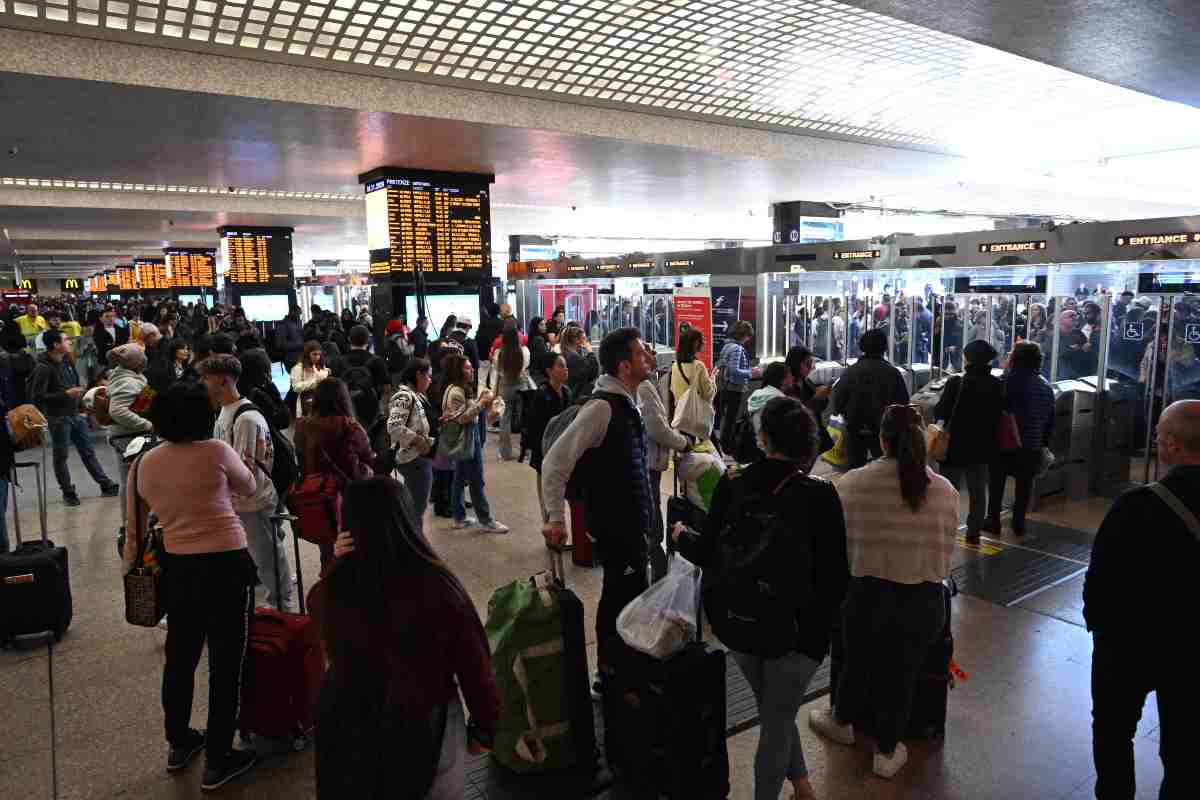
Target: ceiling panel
(1146, 45)
(814, 66)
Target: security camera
(12, 151)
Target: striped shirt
(885, 538)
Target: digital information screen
(1001, 284)
(257, 257)
(441, 220)
(188, 268)
(110, 279)
(127, 279)
(1170, 283)
(97, 284)
(440, 306)
(265, 307)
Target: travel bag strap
(1175, 504)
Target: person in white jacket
(307, 373)
(125, 384)
(408, 425)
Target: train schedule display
(187, 268)
(440, 220)
(257, 257)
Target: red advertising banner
(693, 307)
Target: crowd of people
(403, 421)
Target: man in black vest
(1139, 602)
(603, 452)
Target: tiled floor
(1018, 728)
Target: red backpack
(317, 501)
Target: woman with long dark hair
(412, 427)
(539, 350)
(331, 441)
(901, 527)
(508, 378)
(402, 637)
(309, 371)
(174, 363)
(458, 409)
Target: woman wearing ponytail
(901, 526)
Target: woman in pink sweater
(187, 483)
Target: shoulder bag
(456, 439)
(145, 583)
(937, 437)
(317, 503)
(1008, 433)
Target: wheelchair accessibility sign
(1133, 331)
(1191, 333)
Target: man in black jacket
(489, 329)
(1140, 605)
(54, 388)
(107, 334)
(864, 392)
(603, 451)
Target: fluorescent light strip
(118, 186)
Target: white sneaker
(470, 523)
(825, 723)
(888, 766)
(494, 526)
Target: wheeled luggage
(664, 720)
(583, 550)
(284, 667)
(535, 631)
(35, 578)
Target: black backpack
(745, 440)
(397, 350)
(285, 470)
(762, 575)
(273, 407)
(360, 380)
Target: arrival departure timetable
(152, 273)
(257, 256)
(127, 279)
(440, 220)
(190, 268)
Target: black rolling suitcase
(664, 721)
(931, 695)
(35, 578)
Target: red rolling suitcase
(583, 554)
(284, 668)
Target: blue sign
(1191, 333)
(1133, 331)
(725, 301)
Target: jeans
(508, 393)
(658, 559)
(1124, 672)
(418, 477)
(887, 631)
(976, 476)
(118, 445)
(4, 544)
(779, 685)
(65, 431)
(210, 597)
(623, 581)
(1021, 464)
(470, 472)
(449, 783)
(274, 571)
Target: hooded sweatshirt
(124, 386)
(758, 401)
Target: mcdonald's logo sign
(28, 285)
(71, 285)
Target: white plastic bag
(662, 619)
(694, 415)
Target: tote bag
(693, 414)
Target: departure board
(190, 268)
(97, 284)
(127, 279)
(440, 220)
(110, 279)
(257, 256)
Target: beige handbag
(937, 437)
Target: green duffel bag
(535, 631)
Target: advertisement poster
(725, 301)
(693, 307)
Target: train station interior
(941, 172)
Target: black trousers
(624, 580)
(731, 405)
(862, 444)
(887, 630)
(209, 597)
(1022, 465)
(440, 492)
(1124, 672)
